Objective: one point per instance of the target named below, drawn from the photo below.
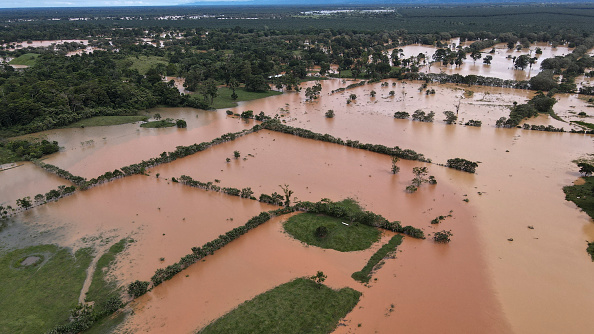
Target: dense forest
(57, 90)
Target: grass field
(586, 124)
(582, 195)
(101, 287)
(34, 299)
(107, 120)
(365, 274)
(343, 238)
(143, 63)
(28, 59)
(300, 306)
(224, 100)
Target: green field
(107, 120)
(224, 100)
(28, 59)
(582, 195)
(585, 124)
(34, 299)
(300, 306)
(102, 288)
(343, 238)
(143, 63)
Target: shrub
(442, 236)
(138, 288)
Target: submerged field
(479, 282)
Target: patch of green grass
(108, 324)
(28, 59)
(34, 299)
(101, 288)
(582, 195)
(586, 124)
(343, 238)
(365, 274)
(224, 100)
(300, 306)
(107, 120)
(8, 156)
(157, 124)
(144, 63)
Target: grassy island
(300, 306)
(329, 232)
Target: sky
(112, 3)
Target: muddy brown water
(537, 283)
(91, 151)
(26, 180)
(501, 66)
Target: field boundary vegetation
(364, 275)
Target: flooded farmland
(480, 282)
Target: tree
(233, 84)
(24, 203)
(329, 113)
(395, 169)
(321, 232)
(442, 236)
(521, 62)
(319, 277)
(487, 59)
(586, 169)
(138, 288)
(372, 93)
(313, 92)
(157, 116)
(288, 192)
(475, 55)
(450, 117)
(180, 123)
(236, 154)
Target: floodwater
(46, 43)
(502, 65)
(165, 220)
(92, 151)
(541, 278)
(26, 180)
(321, 170)
(480, 282)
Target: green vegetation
(590, 249)
(442, 236)
(33, 299)
(582, 195)
(107, 120)
(343, 238)
(102, 288)
(585, 124)
(28, 59)
(224, 99)
(19, 150)
(365, 274)
(143, 63)
(165, 123)
(300, 306)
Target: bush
(138, 288)
(442, 236)
(462, 164)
